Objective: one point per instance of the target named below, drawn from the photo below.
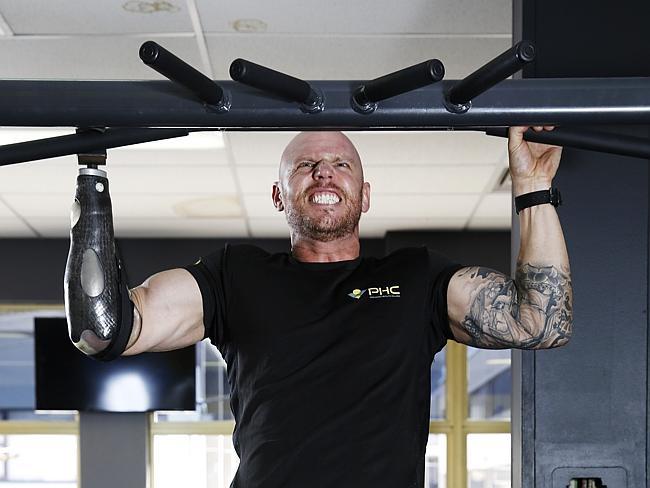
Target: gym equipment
(413, 98)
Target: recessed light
(249, 25)
(217, 207)
(144, 7)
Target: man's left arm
(488, 309)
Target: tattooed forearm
(532, 311)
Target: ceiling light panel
(72, 17)
(382, 148)
(422, 206)
(359, 17)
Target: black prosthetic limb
(97, 303)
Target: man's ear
(365, 197)
(276, 195)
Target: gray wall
(584, 407)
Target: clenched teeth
(325, 198)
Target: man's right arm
(168, 313)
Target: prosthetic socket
(97, 304)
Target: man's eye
(345, 164)
(306, 164)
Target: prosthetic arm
(97, 303)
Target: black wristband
(552, 196)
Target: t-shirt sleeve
(209, 275)
(441, 269)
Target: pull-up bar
(577, 101)
(412, 98)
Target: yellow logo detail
(356, 293)
(377, 292)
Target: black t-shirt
(328, 363)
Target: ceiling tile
(5, 211)
(257, 179)
(428, 148)
(14, 227)
(261, 206)
(359, 17)
(152, 227)
(130, 157)
(382, 148)
(38, 177)
(68, 58)
(494, 212)
(432, 179)
(74, 17)
(163, 179)
(418, 206)
(338, 58)
(180, 158)
(495, 205)
(130, 205)
(185, 178)
(258, 148)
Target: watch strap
(552, 196)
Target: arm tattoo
(532, 311)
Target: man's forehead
(320, 145)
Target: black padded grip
(97, 304)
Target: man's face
(321, 187)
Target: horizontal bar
(577, 101)
(177, 70)
(623, 145)
(53, 147)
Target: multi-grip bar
(488, 75)
(366, 96)
(53, 147)
(345, 105)
(178, 71)
(277, 83)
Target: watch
(552, 196)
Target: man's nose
(323, 169)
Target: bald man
(329, 353)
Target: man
(329, 354)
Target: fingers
(538, 128)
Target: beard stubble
(325, 227)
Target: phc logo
(376, 292)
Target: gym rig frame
(110, 114)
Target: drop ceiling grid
(86, 58)
(14, 227)
(72, 17)
(340, 17)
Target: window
(469, 428)
(37, 449)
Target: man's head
(321, 187)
